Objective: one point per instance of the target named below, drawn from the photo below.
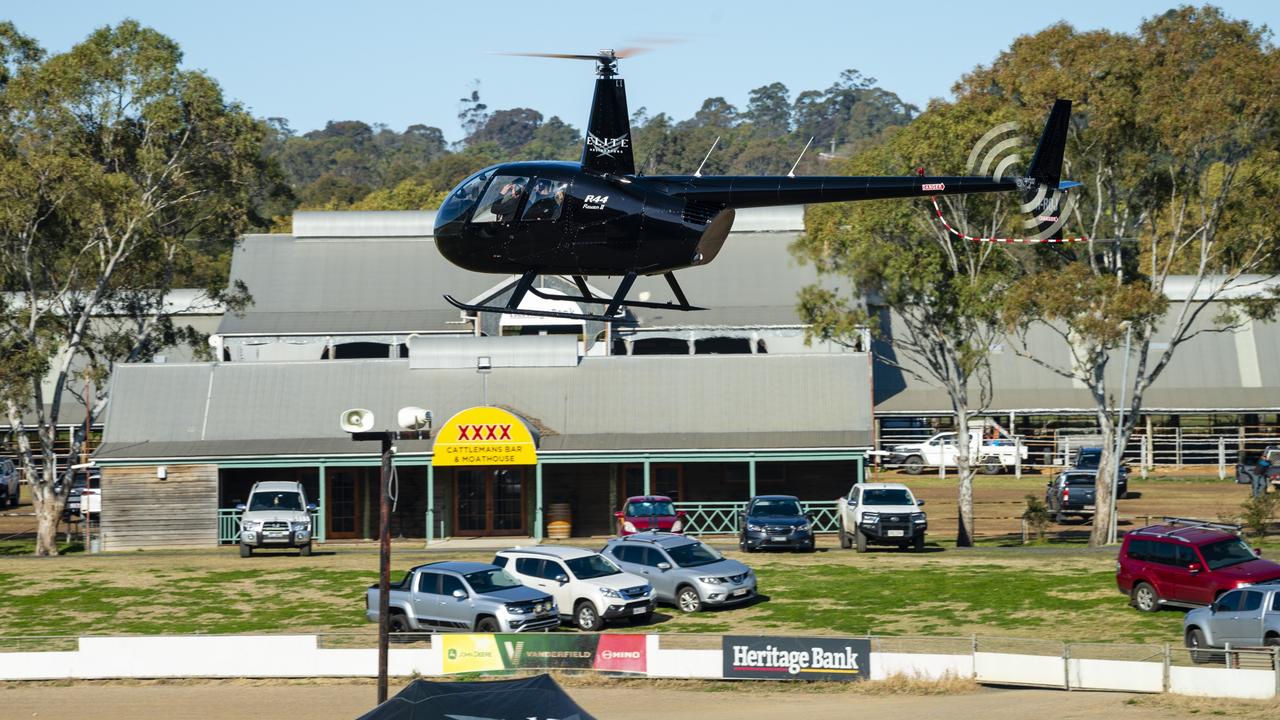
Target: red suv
(1187, 562)
(649, 512)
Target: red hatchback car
(649, 512)
(1187, 562)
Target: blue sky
(401, 63)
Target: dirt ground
(999, 500)
(233, 700)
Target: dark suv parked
(1187, 562)
(1089, 458)
(775, 521)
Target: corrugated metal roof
(364, 223)
(783, 401)
(1213, 371)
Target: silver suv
(276, 516)
(682, 570)
(463, 596)
(584, 583)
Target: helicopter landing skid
(587, 297)
(610, 315)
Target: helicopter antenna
(792, 172)
(698, 172)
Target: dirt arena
(234, 700)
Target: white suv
(584, 583)
(276, 516)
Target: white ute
(992, 456)
(881, 514)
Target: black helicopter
(598, 217)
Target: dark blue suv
(775, 521)
(1088, 458)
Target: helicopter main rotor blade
(561, 56)
(616, 54)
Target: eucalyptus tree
(117, 162)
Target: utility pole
(417, 424)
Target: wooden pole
(384, 565)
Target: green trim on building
(645, 458)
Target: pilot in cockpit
(545, 200)
(509, 196)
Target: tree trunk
(1098, 534)
(964, 474)
(48, 503)
(964, 526)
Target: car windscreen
(1225, 553)
(693, 554)
(647, 509)
(763, 508)
(487, 581)
(275, 501)
(887, 496)
(1089, 459)
(591, 566)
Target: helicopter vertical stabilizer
(608, 145)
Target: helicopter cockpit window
(461, 199)
(502, 200)
(546, 198)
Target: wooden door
(489, 501)
(342, 506)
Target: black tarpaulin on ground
(536, 697)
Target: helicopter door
(495, 216)
(539, 232)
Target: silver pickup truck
(1248, 616)
(463, 596)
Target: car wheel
(913, 465)
(305, 550)
(992, 469)
(1060, 518)
(918, 542)
(397, 625)
(586, 617)
(860, 540)
(1195, 641)
(245, 550)
(742, 545)
(1272, 641)
(1145, 597)
(687, 600)
(487, 625)
(844, 537)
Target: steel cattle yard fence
(1149, 446)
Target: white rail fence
(1220, 447)
(1252, 673)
